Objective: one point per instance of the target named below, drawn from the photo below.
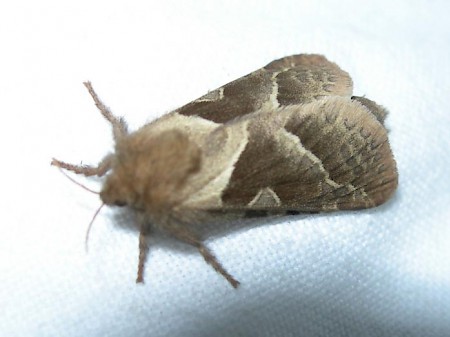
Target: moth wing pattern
(309, 145)
(290, 80)
(325, 155)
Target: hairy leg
(183, 233)
(118, 124)
(86, 170)
(119, 130)
(143, 250)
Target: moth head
(149, 171)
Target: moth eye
(120, 203)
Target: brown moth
(287, 138)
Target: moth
(287, 138)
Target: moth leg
(212, 260)
(185, 235)
(86, 170)
(118, 124)
(143, 250)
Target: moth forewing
(325, 155)
(296, 79)
(287, 137)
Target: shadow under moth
(287, 138)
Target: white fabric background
(380, 272)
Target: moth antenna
(90, 226)
(76, 182)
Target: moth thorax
(150, 171)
